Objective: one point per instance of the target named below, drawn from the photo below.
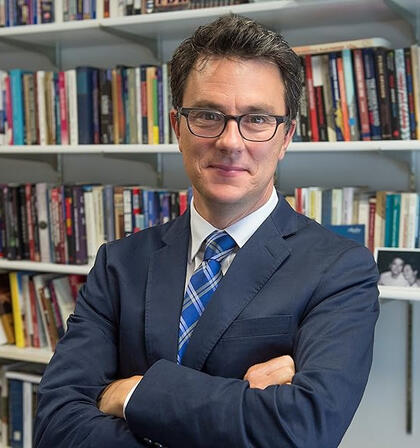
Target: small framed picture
(398, 267)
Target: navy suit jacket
(294, 288)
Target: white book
(42, 109)
(403, 224)
(364, 214)
(27, 316)
(412, 219)
(43, 222)
(71, 86)
(315, 204)
(348, 199)
(416, 84)
(138, 105)
(402, 94)
(337, 207)
(58, 10)
(100, 9)
(65, 299)
(98, 204)
(116, 8)
(90, 225)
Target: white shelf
(359, 146)
(397, 293)
(29, 354)
(282, 14)
(44, 267)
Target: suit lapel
(165, 292)
(252, 267)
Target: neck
(222, 215)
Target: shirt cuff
(127, 399)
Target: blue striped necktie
(202, 285)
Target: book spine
(415, 60)
(303, 106)
(84, 105)
(18, 115)
(373, 106)
(383, 93)
(402, 93)
(23, 222)
(329, 112)
(95, 106)
(336, 100)
(313, 120)
(144, 105)
(15, 292)
(29, 221)
(160, 107)
(105, 92)
(410, 93)
(63, 108)
(71, 81)
(16, 413)
(343, 98)
(43, 223)
(128, 212)
(393, 96)
(361, 94)
(34, 314)
(350, 95)
(69, 224)
(42, 114)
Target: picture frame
(398, 267)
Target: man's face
(229, 170)
(396, 266)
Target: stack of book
(35, 307)
(85, 106)
(30, 12)
(359, 90)
(19, 384)
(68, 223)
(390, 219)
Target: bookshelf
(153, 37)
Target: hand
(276, 371)
(112, 399)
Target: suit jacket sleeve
(85, 361)
(181, 407)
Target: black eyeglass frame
(186, 110)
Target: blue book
(153, 208)
(354, 232)
(57, 110)
(372, 93)
(165, 206)
(109, 223)
(326, 207)
(16, 413)
(396, 212)
(18, 111)
(389, 205)
(335, 96)
(145, 194)
(84, 105)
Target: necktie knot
(218, 246)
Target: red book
(32, 297)
(183, 201)
(371, 230)
(30, 223)
(362, 103)
(313, 120)
(298, 199)
(9, 111)
(63, 108)
(343, 99)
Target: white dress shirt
(240, 231)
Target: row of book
(19, 383)
(31, 12)
(34, 308)
(85, 106)
(390, 219)
(359, 93)
(68, 223)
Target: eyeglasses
(253, 127)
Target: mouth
(227, 170)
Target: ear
(174, 122)
(287, 139)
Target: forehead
(234, 82)
(397, 261)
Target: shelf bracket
(151, 44)
(45, 50)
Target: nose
(231, 139)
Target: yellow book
(17, 306)
(150, 75)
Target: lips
(227, 168)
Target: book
(15, 279)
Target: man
(394, 277)
(239, 324)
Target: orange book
(343, 98)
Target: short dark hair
(236, 36)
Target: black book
(382, 79)
(393, 95)
(303, 107)
(23, 223)
(105, 104)
(35, 223)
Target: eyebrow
(255, 108)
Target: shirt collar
(240, 231)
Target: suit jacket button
(147, 441)
(158, 445)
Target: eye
(207, 115)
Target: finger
(271, 365)
(277, 377)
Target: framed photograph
(398, 267)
